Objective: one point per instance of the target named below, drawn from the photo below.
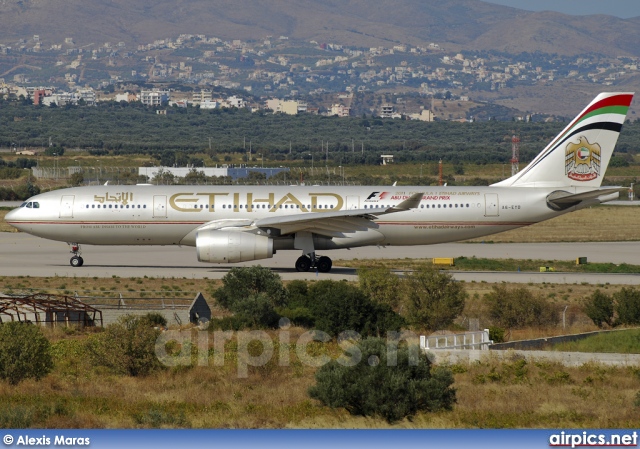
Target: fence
(467, 340)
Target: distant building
(340, 110)
(386, 110)
(232, 172)
(154, 97)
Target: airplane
(229, 224)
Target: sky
(618, 8)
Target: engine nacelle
(232, 246)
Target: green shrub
(126, 347)
(434, 299)
(519, 307)
(243, 282)
(372, 388)
(627, 304)
(155, 319)
(24, 352)
(496, 334)
(599, 308)
(381, 285)
(339, 307)
(257, 311)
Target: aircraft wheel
(324, 264)
(303, 263)
(81, 261)
(76, 261)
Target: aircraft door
(66, 206)
(159, 206)
(353, 202)
(491, 205)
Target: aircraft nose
(13, 218)
(11, 215)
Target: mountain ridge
(454, 24)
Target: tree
(76, 179)
(127, 347)
(389, 383)
(195, 177)
(381, 285)
(434, 299)
(519, 307)
(242, 282)
(339, 307)
(599, 307)
(627, 302)
(24, 352)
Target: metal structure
(50, 310)
(515, 154)
(467, 340)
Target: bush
(599, 307)
(126, 347)
(155, 319)
(339, 307)
(496, 334)
(242, 282)
(434, 299)
(372, 388)
(257, 311)
(519, 307)
(381, 285)
(24, 352)
(627, 304)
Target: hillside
(454, 24)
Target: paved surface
(22, 254)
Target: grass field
(490, 394)
(627, 342)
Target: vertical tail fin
(579, 155)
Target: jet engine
(232, 246)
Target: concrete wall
(444, 356)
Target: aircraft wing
(335, 223)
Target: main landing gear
(322, 264)
(76, 260)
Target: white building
(154, 97)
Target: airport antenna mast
(515, 154)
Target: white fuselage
(170, 215)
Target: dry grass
(490, 394)
(596, 224)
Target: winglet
(410, 203)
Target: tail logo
(582, 160)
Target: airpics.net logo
(257, 348)
(592, 439)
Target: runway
(25, 255)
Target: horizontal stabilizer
(560, 200)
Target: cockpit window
(36, 205)
(23, 204)
(29, 204)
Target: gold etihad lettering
(123, 198)
(184, 202)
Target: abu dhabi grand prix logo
(582, 160)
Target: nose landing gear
(76, 259)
